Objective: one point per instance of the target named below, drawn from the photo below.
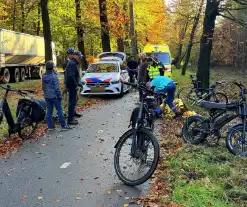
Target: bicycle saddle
(213, 105)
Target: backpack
(32, 109)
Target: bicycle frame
(216, 125)
(138, 142)
(13, 127)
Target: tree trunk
(192, 35)
(132, 29)
(46, 29)
(126, 28)
(38, 23)
(105, 34)
(80, 33)
(120, 44)
(180, 46)
(14, 16)
(203, 72)
(22, 15)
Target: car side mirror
(83, 73)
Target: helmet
(78, 53)
(70, 51)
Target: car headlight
(115, 82)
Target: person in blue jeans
(164, 84)
(53, 96)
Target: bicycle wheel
(135, 170)
(235, 142)
(27, 129)
(194, 129)
(218, 98)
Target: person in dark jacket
(132, 65)
(70, 55)
(143, 73)
(72, 77)
(53, 96)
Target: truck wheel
(15, 76)
(23, 75)
(5, 76)
(41, 72)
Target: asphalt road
(73, 168)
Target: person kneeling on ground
(164, 84)
(53, 96)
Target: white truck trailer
(22, 55)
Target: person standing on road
(72, 77)
(70, 55)
(154, 69)
(53, 96)
(143, 73)
(132, 65)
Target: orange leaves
(24, 198)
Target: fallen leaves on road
(58, 201)
(24, 198)
(169, 146)
(10, 145)
(13, 144)
(44, 145)
(78, 198)
(40, 197)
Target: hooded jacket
(50, 85)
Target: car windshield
(162, 57)
(102, 68)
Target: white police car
(103, 77)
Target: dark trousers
(72, 104)
(170, 90)
(50, 103)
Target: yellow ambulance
(162, 53)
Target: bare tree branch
(232, 18)
(241, 2)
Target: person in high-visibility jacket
(154, 68)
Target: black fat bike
(192, 95)
(29, 113)
(137, 151)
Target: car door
(125, 75)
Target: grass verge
(197, 176)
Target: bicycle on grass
(138, 145)
(197, 128)
(192, 95)
(236, 137)
(29, 113)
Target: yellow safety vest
(153, 71)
